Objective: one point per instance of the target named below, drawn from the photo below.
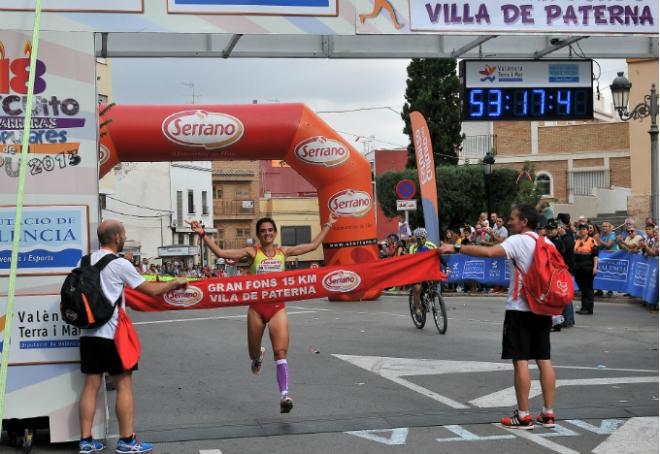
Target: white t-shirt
(501, 232)
(519, 248)
(113, 277)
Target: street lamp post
(488, 162)
(620, 89)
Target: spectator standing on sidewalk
(649, 246)
(586, 266)
(526, 335)
(500, 232)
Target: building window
(205, 205)
(293, 235)
(102, 201)
(583, 182)
(191, 202)
(179, 208)
(191, 240)
(544, 184)
(180, 238)
(218, 193)
(242, 232)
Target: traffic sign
(406, 189)
(406, 205)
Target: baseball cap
(551, 224)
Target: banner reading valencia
(294, 285)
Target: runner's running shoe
(518, 422)
(546, 420)
(134, 446)
(286, 404)
(256, 364)
(90, 446)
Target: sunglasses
(631, 231)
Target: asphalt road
(365, 380)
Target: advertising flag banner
(426, 170)
(293, 285)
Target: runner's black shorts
(99, 355)
(526, 335)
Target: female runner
(267, 257)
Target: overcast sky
(324, 85)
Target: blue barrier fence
(617, 271)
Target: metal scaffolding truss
(373, 46)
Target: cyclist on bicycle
(421, 245)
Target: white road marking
(392, 437)
(466, 435)
(551, 445)
(636, 436)
(210, 451)
(395, 368)
(607, 426)
(219, 317)
(557, 431)
(507, 397)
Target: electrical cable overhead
(360, 109)
(136, 205)
(156, 216)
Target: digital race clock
(524, 90)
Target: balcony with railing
(474, 148)
(234, 209)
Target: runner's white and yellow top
(264, 264)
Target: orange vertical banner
(426, 171)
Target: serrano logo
(341, 281)
(563, 287)
(321, 151)
(198, 128)
(184, 298)
(350, 202)
(104, 154)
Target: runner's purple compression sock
(283, 376)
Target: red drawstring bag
(127, 341)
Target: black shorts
(526, 335)
(99, 355)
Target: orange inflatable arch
(290, 132)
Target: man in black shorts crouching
(98, 353)
(525, 335)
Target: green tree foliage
(461, 193)
(432, 89)
(528, 192)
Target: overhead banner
(557, 16)
(294, 285)
(339, 17)
(426, 171)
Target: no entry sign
(406, 189)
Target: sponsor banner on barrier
(617, 271)
(53, 238)
(38, 335)
(294, 285)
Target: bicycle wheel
(418, 320)
(439, 312)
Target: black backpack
(83, 303)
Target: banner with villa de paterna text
(293, 285)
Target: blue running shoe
(90, 446)
(134, 446)
(256, 364)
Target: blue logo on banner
(298, 3)
(474, 269)
(561, 73)
(613, 269)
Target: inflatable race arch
(289, 132)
